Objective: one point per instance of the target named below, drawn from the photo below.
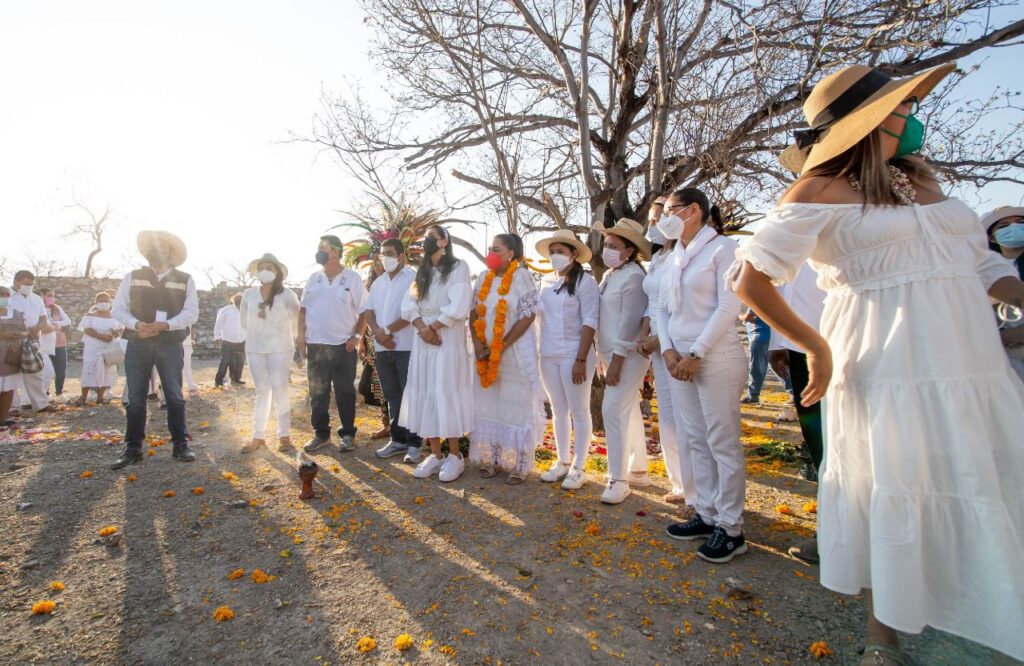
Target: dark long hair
(512, 242)
(572, 278)
(425, 272)
(709, 212)
(276, 287)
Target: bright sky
(175, 113)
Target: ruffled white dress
(438, 397)
(922, 495)
(95, 371)
(509, 414)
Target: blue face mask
(322, 256)
(4, 301)
(1011, 236)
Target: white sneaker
(412, 455)
(615, 492)
(430, 466)
(639, 479)
(574, 480)
(788, 413)
(452, 468)
(557, 472)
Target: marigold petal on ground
(169, 493)
(43, 607)
(366, 644)
(811, 507)
(57, 585)
(132, 477)
(404, 642)
(198, 490)
(259, 577)
(108, 530)
(223, 613)
(593, 529)
(230, 476)
(820, 649)
(86, 474)
(784, 509)
(236, 574)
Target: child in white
(101, 332)
(569, 311)
(269, 315)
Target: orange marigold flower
(43, 607)
(259, 577)
(230, 476)
(418, 500)
(820, 649)
(404, 642)
(57, 585)
(784, 510)
(593, 529)
(236, 574)
(169, 493)
(366, 644)
(198, 490)
(151, 452)
(447, 650)
(811, 507)
(132, 477)
(108, 530)
(223, 613)
(468, 632)
(86, 474)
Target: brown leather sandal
(488, 471)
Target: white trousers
(270, 378)
(34, 385)
(672, 434)
(623, 422)
(186, 370)
(710, 408)
(570, 407)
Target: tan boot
(253, 445)
(285, 444)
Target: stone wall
(75, 295)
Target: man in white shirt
(394, 337)
(228, 329)
(157, 305)
(329, 340)
(32, 308)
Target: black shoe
(130, 456)
(238, 383)
(806, 551)
(749, 400)
(721, 547)
(809, 472)
(695, 528)
(183, 453)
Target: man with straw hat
(157, 304)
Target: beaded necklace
(901, 186)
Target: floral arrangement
(488, 369)
(398, 219)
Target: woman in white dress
(101, 332)
(623, 303)
(508, 410)
(696, 317)
(921, 499)
(269, 314)
(570, 306)
(438, 400)
(671, 430)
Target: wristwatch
(693, 355)
(387, 331)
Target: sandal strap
(884, 655)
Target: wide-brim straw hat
(149, 237)
(267, 258)
(632, 231)
(565, 237)
(847, 105)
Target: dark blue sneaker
(721, 547)
(695, 528)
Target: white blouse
(275, 332)
(447, 300)
(623, 303)
(562, 316)
(100, 325)
(652, 283)
(709, 310)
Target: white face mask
(390, 263)
(266, 276)
(612, 258)
(103, 307)
(25, 290)
(560, 262)
(654, 234)
(671, 226)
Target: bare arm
(1008, 290)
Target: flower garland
(488, 369)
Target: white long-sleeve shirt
(228, 326)
(807, 301)
(623, 303)
(709, 308)
(189, 311)
(385, 300)
(563, 316)
(275, 331)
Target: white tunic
(95, 372)
(922, 494)
(509, 414)
(438, 397)
(274, 332)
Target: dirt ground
(475, 572)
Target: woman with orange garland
(508, 419)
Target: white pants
(672, 434)
(186, 370)
(570, 406)
(34, 385)
(710, 408)
(270, 378)
(623, 422)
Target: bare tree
(93, 227)
(48, 267)
(573, 113)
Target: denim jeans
(232, 357)
(140, 358)
(60, 368)
(759, 336)
(392, 373)
(326, 366)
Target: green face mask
(912, 138)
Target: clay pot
(307, 472)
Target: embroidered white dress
(95, 372)
(438, 397)
(922, 495)
(509, 414)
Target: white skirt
(11, 383)
(95, 373)
(438, 397)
